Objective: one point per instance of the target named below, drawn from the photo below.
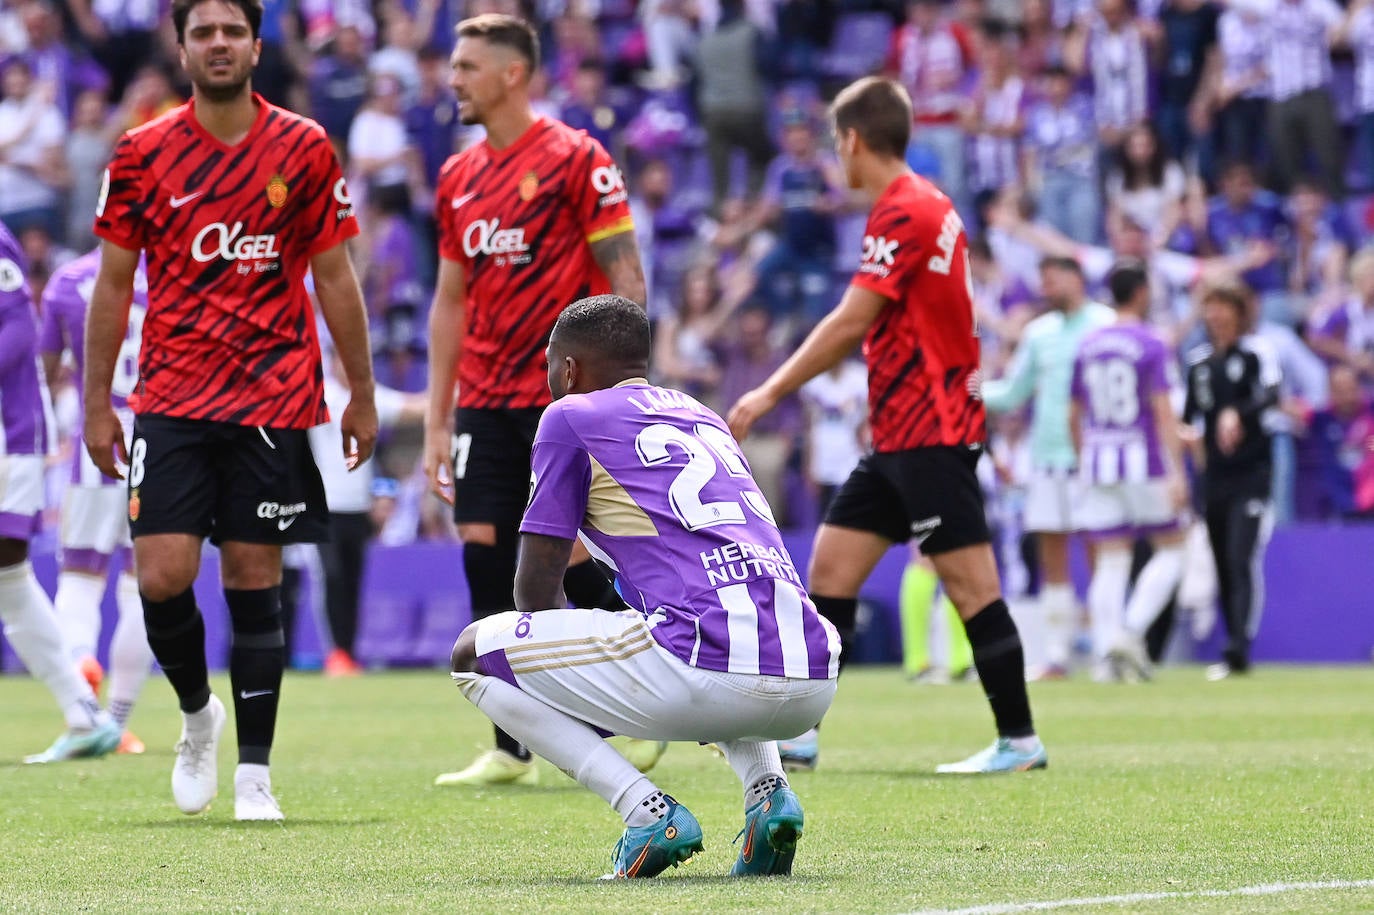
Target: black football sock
(1001, 667)
(256, 661)
(490, 572)
(176, 634)
(842, 613)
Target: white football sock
(1153, 588)
(564, 741)
(77, 604)
(1057, 605)
(32, 629)
(130, 657)
(1107, 597)
(754, 762)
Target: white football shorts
(95, 518)
(607, 670)
(1129, 508)
(1052, 502)
(21, 495)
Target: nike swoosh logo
(459, 201)
(284, 523)
(178, 202)
(245, 694)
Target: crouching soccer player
(722, 643)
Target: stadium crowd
(1204, 138)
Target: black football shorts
(491, 464)
(245, 484)
(930, 494)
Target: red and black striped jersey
(521, 221)
(922, 351)
(229, 232)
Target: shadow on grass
(671, 879)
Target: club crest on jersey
(276, 192)
(529, 186)
(134, 504)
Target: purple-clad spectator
(994, 117)
(590, 107)
(747, 359)
(325, 18)
(1115, 59)
(1319, 246)
(1358, 33)
(666, 233)
(1337, 446)
(338, 84)
(122, 33)
(1002, 304)
(283, 60)
(395, 298)
(432, 118)
(932, 58)
(1146, 186)
(1042, 45)
(803, 189)
(32, 167)
(1242, 215)
(1344, 334)
(67, 71)
(1060, 148)
(685, 339)
(1241, 96)
(1302, 115)
(1189, 38)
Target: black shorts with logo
(929, 493)
(491, 464)
(224, 481)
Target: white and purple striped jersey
(1116, 374)
(1299, 43)
(24, 409)
(1121, 75)
(65, 301)
(658, 489)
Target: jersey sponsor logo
(608, 181)
(522, 628)
(485, 236)
(529, 186)
(11, 277)
(276, 192)
(342, 198)
(285, 514)
(879, 255)
(218, 240)
(179, 202)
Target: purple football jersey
(65, 301)
(23, 398)
(1118, 371)
(659, 490)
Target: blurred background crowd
(1204, 138)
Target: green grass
(1179, 786)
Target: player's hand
(749, 409)
(1229, 431)
(104, 437)
(1178, 492)
(438, 454)
(358, 426)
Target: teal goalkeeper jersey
(1043, 366)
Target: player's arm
(447, 328)
(1001, 395)
(341, 302)
(618, 257)
(1076, 426)
(833, 339)
(107, 321)
(539, 572)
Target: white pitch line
(1264, 889)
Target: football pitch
(1250, 795)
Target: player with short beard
(233, 200)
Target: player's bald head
(610, 329)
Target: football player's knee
(463, 660)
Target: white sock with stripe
(130, 657)
(566, 742)
(32, 629)
(77, 604)
(1156, 583)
